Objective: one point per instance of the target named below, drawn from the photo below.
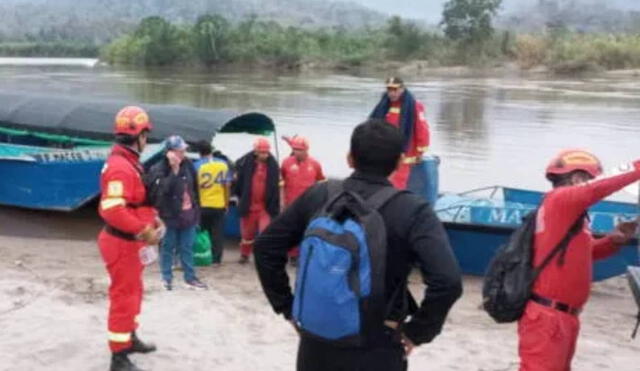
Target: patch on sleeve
(115, 188)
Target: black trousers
(212, 220)
(315, 355)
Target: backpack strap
(381, 197)
(561, 246)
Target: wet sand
(53, 313)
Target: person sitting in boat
(562, 288)
(399, 108)
(299, 172)
(257, 189)
(173, 189)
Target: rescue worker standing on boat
(399, 108)
(549, 327)
(299, 173)
(130, 228)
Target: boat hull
(61, 186)
(475, 246)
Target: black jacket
(242, 186)
(415, 236)
(166, 190)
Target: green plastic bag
(202, 249)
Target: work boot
(138, 346)
(243, 259)
(121, 362)
(293, 261)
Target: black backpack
(509, 280)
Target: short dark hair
(126, 139)
(376, 147)
(204, 148)
(561, 180)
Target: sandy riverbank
(53, 314)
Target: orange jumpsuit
(123, 193)
(548, 336)
(258, 218)
(418, 143)
(297, 177)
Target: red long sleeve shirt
(420, 137)
(122, 189)
(298, 176)
(570, 283)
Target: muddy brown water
(487, 130)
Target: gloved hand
(149, 235)
(624, 232)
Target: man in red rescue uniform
(399, 108)
(549, 328)
(257, 188)
(130, 228)
(299, 172)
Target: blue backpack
(340, 286)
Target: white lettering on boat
(86, 155)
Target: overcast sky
(431, 10)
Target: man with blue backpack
(359, 240)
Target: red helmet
(132, 121)
(261, 145)
(300, 143)
(574, 159)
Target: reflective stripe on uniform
(120, 337)
(423, 149)
(109, 203)
(410, 160)
(115, 188)
(394, 110)
(245, 242)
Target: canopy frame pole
(275, 141)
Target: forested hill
(98, 21)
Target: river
(487, 130)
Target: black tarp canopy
(93, 118)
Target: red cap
(299, 143)
(571, 160)
(132, 120)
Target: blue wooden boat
(52, 149)
(478, 222)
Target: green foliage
(571, 53)
(469, 21)
(213, 40)
(48, 49)
(155, 42)
(211, 36)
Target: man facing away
(299, 172)
(414, 236)
(214, 181)
(257, 188)
(399, 108)
(130, 226)
(549, 328)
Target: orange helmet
(261, 145)
(300, 143)
(574, 159)
(132, 121)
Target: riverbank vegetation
(214, 41)
(465, 37)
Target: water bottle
(148, 255)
